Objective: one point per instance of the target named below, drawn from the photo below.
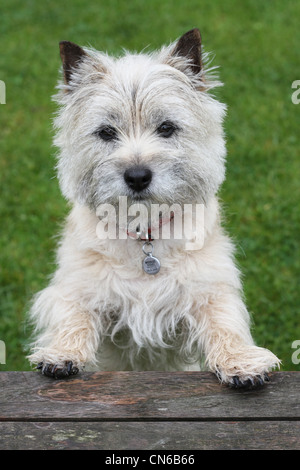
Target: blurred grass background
(256, 44)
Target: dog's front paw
(57, 371)
(55, 363)
(245, 383)
(247, 369)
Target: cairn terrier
(145, 127)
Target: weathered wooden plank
(144, 396)
(259, 435)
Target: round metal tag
(151, 265)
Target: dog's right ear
(71, 55)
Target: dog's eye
(107, 133)
(166, 129)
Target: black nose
(138, 178)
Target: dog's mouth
(143, 197)
(138, 197)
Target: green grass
(257, 47)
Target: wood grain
(144, 395)
(247, 435)
(147, 410)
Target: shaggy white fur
(101, 310)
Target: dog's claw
(57, 372)
(260, 380)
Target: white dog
(145, 127)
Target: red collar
(149, 237)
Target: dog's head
(142, 125)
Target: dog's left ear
(71, 55)
(189, 46)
